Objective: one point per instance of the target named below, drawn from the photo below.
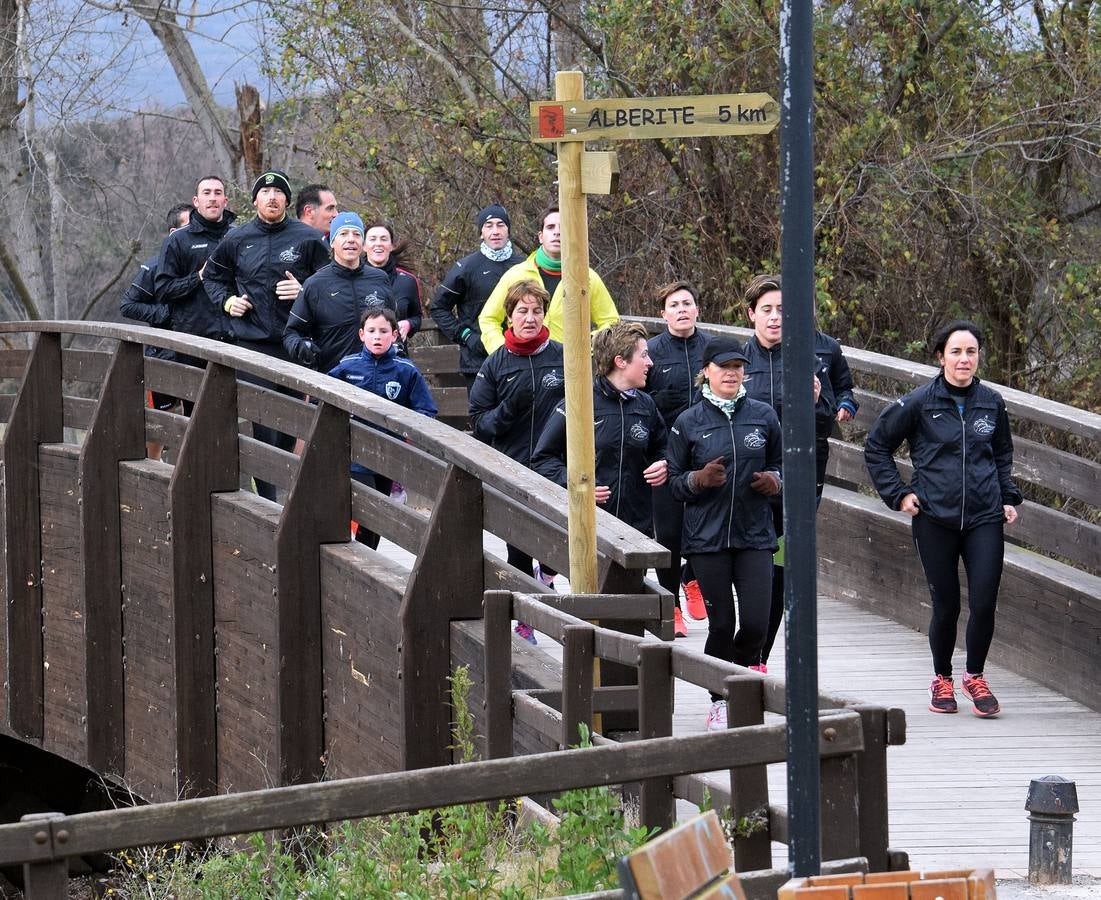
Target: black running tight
(749, 572)
(940, 549)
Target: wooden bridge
(176, 633)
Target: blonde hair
(618, 339)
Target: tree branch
(135, 246)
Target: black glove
(711, 475)
(766, 483)
(472, 340)
(307, 354)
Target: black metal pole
(800, 554)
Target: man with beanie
(179, 279)
(254, 276)
(323, 326)
(459, 298)
(545, 267)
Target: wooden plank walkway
(958, 785)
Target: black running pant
(518, 559)
(940, 549)
(749, 572)
(668, 522)
(260, 432)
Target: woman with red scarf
(515, 393)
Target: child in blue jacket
(377, 368)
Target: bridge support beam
(207, 463)
(116, 433)
(318, 511)
(446, 584)
(36, 418)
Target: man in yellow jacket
(544, 266)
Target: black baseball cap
(723, 350)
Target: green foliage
(467, 851)
(958, 150)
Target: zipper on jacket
(963, 467)
(771, 381)
(622, 441)
(688, 369)
(733, 483)
(531, 427)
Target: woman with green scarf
(724, 456)
(544, 266)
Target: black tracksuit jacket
(139, 302)
(461, 296)
(185, 251)
(328, 309)
(629, 435)
(405, 288)
(250, 260)
(732, 515)
(671, 380)
(513, 397)
(764, 380)
(962, 460)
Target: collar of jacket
(389, 354)
(345, 272)
(272, 227)
(940, 387)
(609, 390)
(198, 225)
(775, 348)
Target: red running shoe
(984, 704)
(679, 628)
(693, 597)
(942, 695)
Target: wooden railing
(169, 630)
(852, 742)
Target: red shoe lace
(978, 688)
(942, 688)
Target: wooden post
(577, 362)
(36, 418)
(116, 433)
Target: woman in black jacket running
(384, 252)
(514, 395)
(959, 499)
(725, 455)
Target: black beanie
(273, 178)
(493, 211)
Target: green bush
(468, 851)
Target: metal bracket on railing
(47, 878)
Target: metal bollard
(1051, 804)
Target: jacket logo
(372, 298)
(551, 380)
(512, 378)
(704, 437)
(754, 440)
(598, 422)
(290, 255)
(983, 426)
(666, 369)
(200, 246)
(393, 388)
(639, 432)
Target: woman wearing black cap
(463, 292)
(959, 499)
(724, 458)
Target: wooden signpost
(569, 120)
